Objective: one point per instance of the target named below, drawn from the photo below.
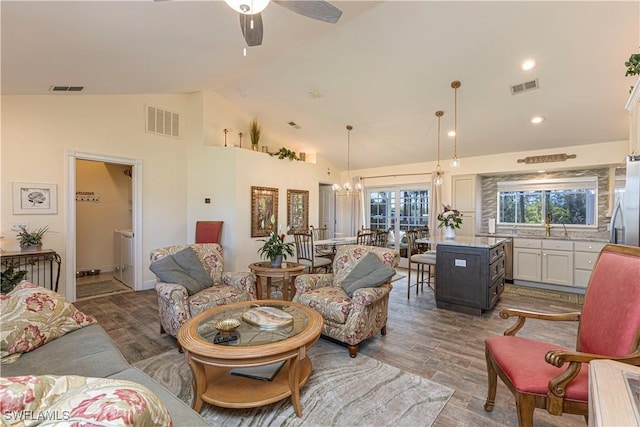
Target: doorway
(327, 210)
(104, 203)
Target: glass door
(400, 209)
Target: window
(570, 201)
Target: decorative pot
(31, 248)
(276, 262)
(449, 232)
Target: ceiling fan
(251, 20)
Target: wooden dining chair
(364, 238)
(548, 376)
(321, 233)
(380, 238)
(424, 261)
(306, 255)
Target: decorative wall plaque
(547, 158)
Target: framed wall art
(264, 211)
(30, 198)
(297, 210)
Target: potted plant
(10, 278)
(254, 133)
(285, 153)
(275, 249)
(449, 218)
(31, 240)
(633, 66)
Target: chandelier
(347, 186)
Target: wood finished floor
(441, 345)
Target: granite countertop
(476, 242)
(517, 236)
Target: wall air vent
(66, 88)
(525, 87)
(163, 122)
(294, 125)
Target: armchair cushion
(523, 361)
(332, 302)
(183, 268)
(369, 272)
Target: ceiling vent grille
(294, 125)
(66, 88)
(525, 87)
(163, 122)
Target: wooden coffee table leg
(199, 383)
(285, 288)
(294, 380)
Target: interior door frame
(136, 220)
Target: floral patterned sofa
(175, 303)
(350, 320)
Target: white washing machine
(123, 261)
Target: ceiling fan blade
(253, 36)
(315, 9)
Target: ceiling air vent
(525, 87)
(66, 88)
(163, 122)
(294, 125)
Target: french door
(398, 208)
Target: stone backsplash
(489, 185)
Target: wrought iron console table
(39, 266)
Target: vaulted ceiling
(384, 68)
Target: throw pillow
(369, 272)
(32, 316)
(75, 400)
(183, 268)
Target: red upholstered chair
(208, 231)
(609, 328)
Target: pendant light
(347, 186)
(248, 7)
(438, 178)
(455, 162)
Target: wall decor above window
(547, 158)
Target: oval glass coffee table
(267, 332)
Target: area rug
(102, 288)
(544, 294)
(341, 392)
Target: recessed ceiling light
(451, 133)
(542, 171)
(537, 120)
(528, 64)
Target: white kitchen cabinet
(463, 198)
(527, 264)
(545, 261)
(585, 256)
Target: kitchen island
(469, 273)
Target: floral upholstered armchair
(190, 280)
(351, 315)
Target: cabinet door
(463, 191)
(527, 264)
(468, 226)
(557, 267)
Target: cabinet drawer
(494, 292)
(557, 245)
(496, 253)
(585, 260)
(589, 246)
(496, 269)
(581, 278)
(527, 243)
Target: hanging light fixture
(248, 7)
(438, 178)
(455, 162)
(347, 186)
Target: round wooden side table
(287, 273)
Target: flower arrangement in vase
(449, 219)
(275, 249)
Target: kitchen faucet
(547, 226)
